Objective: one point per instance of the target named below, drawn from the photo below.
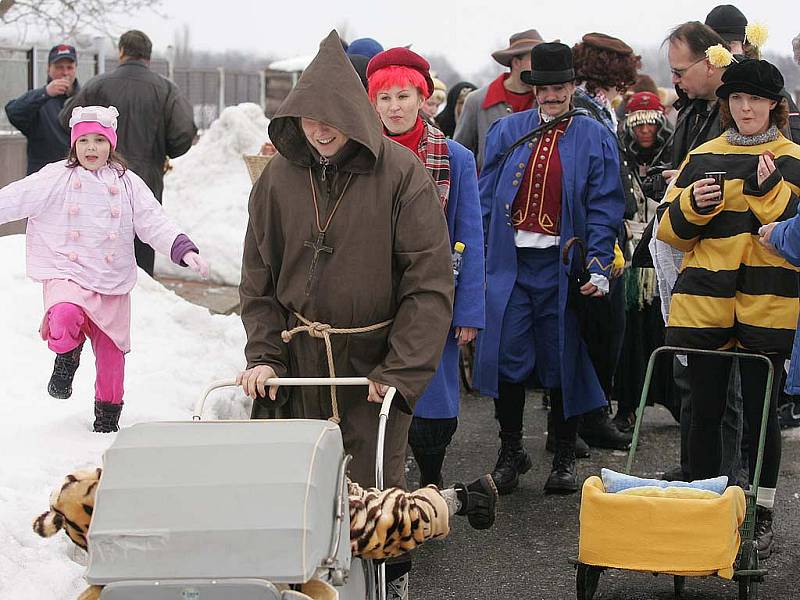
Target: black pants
(709, 377)
(145, 256)
(429, 439)
(509, 409)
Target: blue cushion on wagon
(615, 482)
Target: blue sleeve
(605, 205)
(786, 239)
(492, 162)
(468, 308)
(23, 112)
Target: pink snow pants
(68, 327)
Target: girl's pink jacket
(81, 224)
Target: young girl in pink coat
(83, 214)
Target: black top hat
(551, 63)
(757, 77)
(728, 21)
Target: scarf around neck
(739, 139)
(431, 148)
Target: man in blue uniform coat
(562, 183)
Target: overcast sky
(465, 31)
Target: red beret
(643, 101)
(401, 57)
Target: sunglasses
(681, 72)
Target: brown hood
(330, 91)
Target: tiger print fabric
(387, 523)
(71, 507)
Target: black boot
(60, 384)
(563, 477)
(106, 416)
(581, 447)
(763, 532)
(625, 420)
(599, 432)
(478, 501)
(512, 462)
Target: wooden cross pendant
(317, 246)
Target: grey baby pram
(230, 510)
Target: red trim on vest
(537, 205)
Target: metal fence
(208, 90)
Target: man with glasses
(694, 77)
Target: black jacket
(155, 120)
(696, 125)
(35, 114)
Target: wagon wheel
(587, 578)
(679, 584)
(466, 362)
(748, 585)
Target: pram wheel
(679, 583)
(587, 580)
(748, 589)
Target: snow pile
(178, 348)
(207, 190)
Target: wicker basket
(255, 165)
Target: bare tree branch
(69, 17)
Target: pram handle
(386, 405)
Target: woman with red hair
(399, 83)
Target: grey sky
(466, 31)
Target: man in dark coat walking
(155, 119)
(35, 113)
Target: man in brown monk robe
(346, 231)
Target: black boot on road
(512, 462)
(60, 384)
(763, 532)
(600, 432)
(478, 501)
(564, 476)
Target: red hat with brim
(401, 57)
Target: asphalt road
(526, 554)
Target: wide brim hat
(401, 57)
(756, 77)
(518, 45)
(551, 64)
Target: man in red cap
(35, 113)
(505, 95)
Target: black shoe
(512, 462)
(763, 533)
(60, 384)
(106, 417)
(625, 420)
(563, 477)
(676, 474)
(478, 501)
(599, 432)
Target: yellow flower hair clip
(756, 34)
(719, 56)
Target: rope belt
(323, 331)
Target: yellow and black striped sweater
(731, 291)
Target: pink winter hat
(94, 119)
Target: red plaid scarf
(436, 158)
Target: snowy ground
(178, 348)
(207, 190)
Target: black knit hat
(728, 21)
(551, 64)
(757, 77)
